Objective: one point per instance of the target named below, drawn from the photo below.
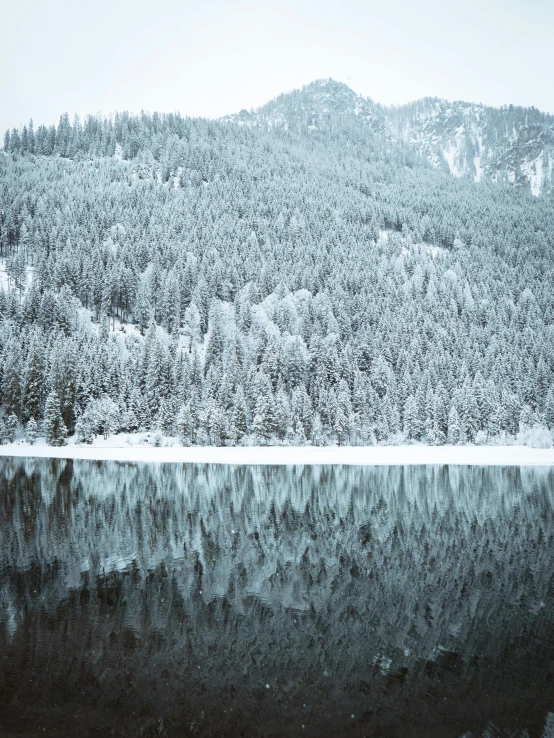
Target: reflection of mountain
(408, 597)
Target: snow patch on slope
(4, 281)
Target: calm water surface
(174, 600)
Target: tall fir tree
(54, 428)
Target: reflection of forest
(162, 599)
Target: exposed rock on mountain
(509, 144)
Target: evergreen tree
(239, 414)
(382, 429)
(84, 429)
(12, 425)
(435, 431)
(33, 382)
(214, 423)
(214, 345)
(185, 425)
(412, 425)
(318, 434)
(526, 417)
(455, 431)
(282, 411)
(143, 312)
(470, 415)
(167, 416)
(54, 428)
(11, 384)
(263, 423)
(31, 431)
(497, 419)
(549, 408)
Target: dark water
(168, 600)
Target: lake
(172, 600)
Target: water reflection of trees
(380, 590)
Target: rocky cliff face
(511, 144)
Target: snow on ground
(428, 248)
(135, 447)
(117, 327)
(120, 327)
(534, 172)
(450, 153)
(4, 277)
(479, 170)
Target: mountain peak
(328, 86)
(510, 145)
(312, 106)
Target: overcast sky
(213, 57)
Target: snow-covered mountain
(315, 106)
(509, 144)
(513, 145)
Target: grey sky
(215, 57)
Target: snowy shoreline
(119, 449)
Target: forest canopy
(315, 281)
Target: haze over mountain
(307, 272)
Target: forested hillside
(294, 275)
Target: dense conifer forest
(299, 275)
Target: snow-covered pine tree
(239, 413)
(84, 429)
(455, 433)
(54, 428)
(526, 417)
(185, 425)
(263, 423)
(496, 419)
(31, 431)
(282, 411)
(469, 412)
(382, 429)
(318, 435)
(33, 380)
(412, 425)
(549, 408)
(142, 310)
(11, 384)
(12, 424)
